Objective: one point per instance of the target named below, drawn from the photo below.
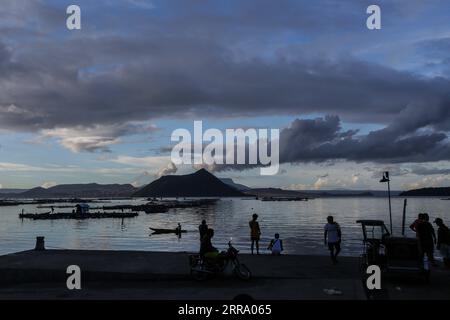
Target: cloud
(167, 170)
(141, 179)
(199, 61)
(142, 4)
(48, 184)
(422, 170)
(406, 139)
(428, 182)
(149, 162)
(327, 182)
(9, 166)
(95, 138)
(410, 138)
(195, 60)
(394, 170)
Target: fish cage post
(40, 244)
(405, 203)
(388, 180)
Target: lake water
(300, 225)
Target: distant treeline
(427, 192)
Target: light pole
(386, 179)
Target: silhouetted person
(443, 241)
(178, 230)
(202, 229)
(427, 238)
(332, 237)
(53, 209)
(419, 219)
(255, 232)
(276, 245)
(207, 250)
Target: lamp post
(386, 179)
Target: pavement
(142, 275)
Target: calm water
(300, 225)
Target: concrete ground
(163, 275)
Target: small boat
(176, 231)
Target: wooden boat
(161, 231)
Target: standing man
(416, 222)
(443, 242)
(427, 239)
(332, 237)
(255, 232)
(202, 229)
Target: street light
(383, 180)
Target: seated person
(276, 245)
(207, 250)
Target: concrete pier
(164, 275)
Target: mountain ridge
(91, 190)
(427, 192)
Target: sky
(99, 104)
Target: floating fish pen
(77, 216)
(80, 212)
(284, 199)
(160, 206)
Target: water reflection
(300, 225)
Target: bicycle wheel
(242, 272)
(198, 274)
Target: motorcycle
(203, 268)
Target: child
(276, 245)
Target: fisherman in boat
(178, 230)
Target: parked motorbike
(204, 268)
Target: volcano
(199, 184)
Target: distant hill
(11, 191)
(198, 184)
(427, 192)
(275, 192)
(235, 185)
(350, 193)
(90, 190)
(332, 194)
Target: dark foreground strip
(240, 308)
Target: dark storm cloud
(193, 60)
(322, 139)
(68, 86)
